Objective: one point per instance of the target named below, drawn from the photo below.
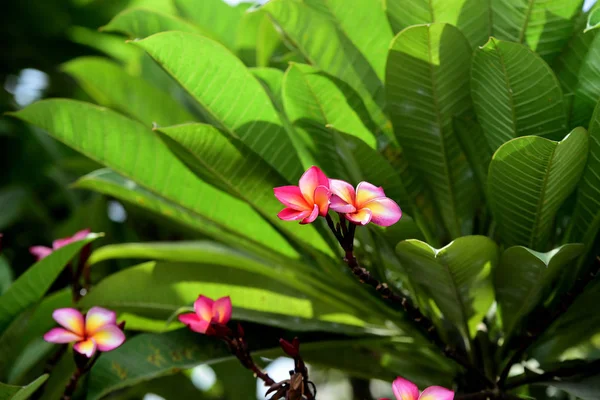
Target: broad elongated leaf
(136, 152)
(593, 21)
(110, 86)
(33, 284)
(228, 92)
(528, 180)
(427, 84)
(544, 26)
(472, 17)
(6, 275)
(523, 277)
(257, 39)
(474, 144)
(9, 392)
(587, 90)
(139, 23)
(515, 93)
(458, 277)
(272, 80)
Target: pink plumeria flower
(42, 251)
(97, 331)
(208, 312)
(306, 201)
(367, 204)
(406, 390)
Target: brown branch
(581, 370)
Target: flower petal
(405, 389)
(81, 234)
(189, 318)
(313, 215)
(61, 335)
(343, 190)
(322, 195)
(108, 338)
(222, 310)
(71, 319)
(194, 323)
(291, 197)
(40, 251)
(385, 211)
(437, 393)
(87, 347)
(289, 214)
(366, 192)
(58, 243)
(361, 217)
(203, 307)
(309, 181)
(97, 317)
(337, 204)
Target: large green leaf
(6, 275)
(593, 21)
(472, 17)
(334, 45)
(544, 26)
(136, 152)
(33, 283)
(458, 277)
(529, 178)
(515, 93)
(110, 86)
(9, 392)
(524, 276)
(257, 39)
(228, 92)
(427, 84)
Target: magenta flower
(97, 331)
(406, 390)
(208, 312)
(367, 204)
(42, 251)
(306, 201)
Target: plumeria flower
(208, 312)
(306, 201)
(406, 390)
(367, 204)
(42, 251)
(97, 331)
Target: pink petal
(222, 310)
(385, 211)
(405, 390)
(361, 217)
(71, 319)
(343, 190)
(81, 234)
(97, 317)
(291, 197)
(313, 215)
(309, 181)
(58, 243)
(40, 251)
(61, 335)
(340, 206)
(322, 195)
(108, 338)
(437, 393)
(288, 214)
(203, 307)
(366, 192)
(87, 348)
(194, 323)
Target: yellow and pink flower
(306, 201)
(42, 251)
(367, 203)
(98, 330)
(406, 390)
(207, 312)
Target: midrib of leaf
(459, 300)
(541, 199)
(526, 22)
(522, 305)
(508, 87)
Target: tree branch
(581, 370)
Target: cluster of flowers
(316, 194)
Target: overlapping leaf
(9, 392)
(139, 23)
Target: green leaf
(9, 392)
(221, 84)
(593, 21)
(13, 201)
(6, 275)
(257, 39)
(110, 86)
(458, 277)
(523, 278)
(157, 289)
(471, 17)
(544, 26)
(587, 90)
(427, 84)
(515, 93)
(529, 178)
(33, 283)
(111, 45)
(137, 153)
(272, 80)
